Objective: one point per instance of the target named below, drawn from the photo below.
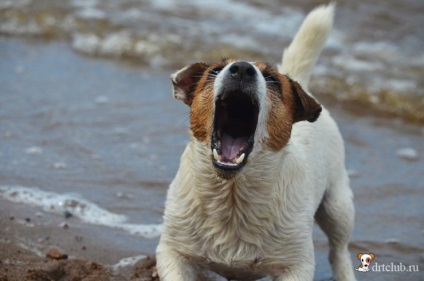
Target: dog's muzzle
(236, 117)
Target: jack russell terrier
(264, 160)
(366, 260)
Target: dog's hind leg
(335, 216)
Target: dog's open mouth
(236, 118)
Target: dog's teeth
(216, 155)
(240, 158)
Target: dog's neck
(249, 186)
(237, 212)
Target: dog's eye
(362, 260)
(215, 71)
(271, 80)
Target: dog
(264, 160)
(366, 260)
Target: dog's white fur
(260, 222)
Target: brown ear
(184, 81)
(359, 256)
(306, 107)
(372, 256)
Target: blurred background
(88, 126)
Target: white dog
(263, 161)
(366, 260)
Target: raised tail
(301, 56)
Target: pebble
(64, 225)
(407, 153)
(102, 100)
(34, 150)
(59, 165)
(56, 254)
(352, 173)
(67, 214)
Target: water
(101, 139)
(374, 56)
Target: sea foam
(80, 207)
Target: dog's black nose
(242, 70)
(365, 265)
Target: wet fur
(260, 221)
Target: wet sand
(112, 133)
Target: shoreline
(129, 156)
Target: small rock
(102, 100)
(352, 173)
(35, 150)
(64, 225)
(67, 214)
(407, 153)
(59, 165)
(56, 254)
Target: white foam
(381, 50)
(399, 85)
(407, 153)
(7, 4)
(129, 261)
(85, 43)
(85, 210)
(91, 13)
(84, 3)
(113, 44)
(353, 64)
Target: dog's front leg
(173, 267)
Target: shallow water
(101, 140)
(374, 55)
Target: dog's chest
(238, 233)
(241, 269)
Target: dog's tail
(302, 54)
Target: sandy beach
(387, 182)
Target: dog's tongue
(230, 146)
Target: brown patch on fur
(280, 115)
(202, 105)
(288, 104)
(201, 114)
